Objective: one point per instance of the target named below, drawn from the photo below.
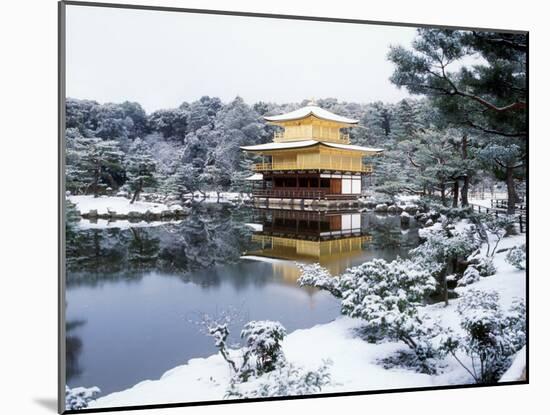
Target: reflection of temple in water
(331, 239)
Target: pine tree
(184, 180)
(140, 168)
(93, 164)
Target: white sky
(161, 59)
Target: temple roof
(308, 143)
(308, 111)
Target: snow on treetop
(311, 110)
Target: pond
(135, 296)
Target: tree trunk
(464, 192)
(443, 196)
(137, 192)
(444, 287)
(466, 178)
(456, 188)
(97, 174)
(510, 186)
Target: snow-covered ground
(121, 224)
(481, 202)
(121, 205)
(355, 365)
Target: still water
(135, 296)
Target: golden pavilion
(310, 158)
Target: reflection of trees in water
(96, 250)
(211, 235)
(387, 233)
(73, 349)
(143, 249)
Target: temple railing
(296, 193)
(365, 168)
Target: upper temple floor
(311, 123)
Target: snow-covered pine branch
(314, 275)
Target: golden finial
(311, 102)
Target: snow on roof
(308, 143)
(311, 110)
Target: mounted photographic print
(259, 207)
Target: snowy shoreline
(356, 363)
(117, 212)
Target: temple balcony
(284, 136)
(297, 193)
(333, 166)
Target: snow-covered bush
(78, 398)
(490, 335)
(260, 368)
(386, 295)
(470, 276)
(441, 250)
(285, 380)
(485, 266)
(444, 244)
(517, 256)
(457, 212)
(261, 352)
(263, 343)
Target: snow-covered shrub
(263, 343)
(261, 351)
(314, 275)
(517, 256)
(285, 380)
(470, 276)
(441, 250)
(485, 266)
(386, 295)
(457, 212)
(490, 335)
(443, 243)
(78, 398)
